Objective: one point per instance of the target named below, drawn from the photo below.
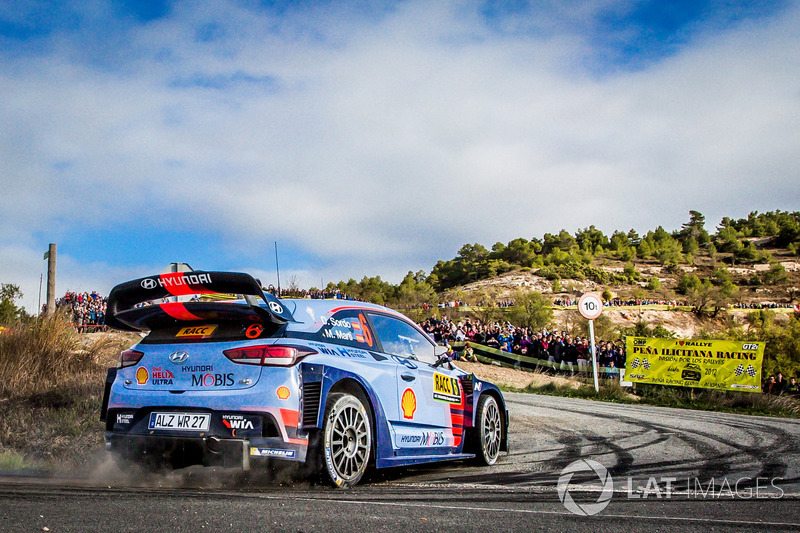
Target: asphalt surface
(660, 470)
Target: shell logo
(283, 393)
(141, 375)
(408, 402)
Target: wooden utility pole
(51, 278)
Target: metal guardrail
(489, 355)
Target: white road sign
(590, 305)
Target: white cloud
(383, 145)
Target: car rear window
(213, 332)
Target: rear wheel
(489, 432)
(347, 439)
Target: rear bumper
(232, 439)
(180, 452)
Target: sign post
(50, 255)
(590, 306)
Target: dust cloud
(103, 469)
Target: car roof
(306, 312)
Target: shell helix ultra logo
(142, 375)
(584, 508)
(408, 402)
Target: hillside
(681, 320)
(743, 263)
(785, 291)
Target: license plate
(180, 421)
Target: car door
(429, 418)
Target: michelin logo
(272, 452)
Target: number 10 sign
(590, 305)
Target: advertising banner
(721, 365)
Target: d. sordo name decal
(337, 323)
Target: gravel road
(637, 443)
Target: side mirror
(440, 352)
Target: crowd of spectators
(763, 305)
(549, 345)
(501, 304)
(634, 302)
(324, 294)
(451, 303)
(565, 302)
(87, 310)
(778, 386)
(622, 302)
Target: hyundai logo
(178, 357)
(149, 283)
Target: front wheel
(489, 431)
(347, 436)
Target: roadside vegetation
(51, 387)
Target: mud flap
(110, 377)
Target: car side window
(402, 339)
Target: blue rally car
(337, 385)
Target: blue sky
(373, 138)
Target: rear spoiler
(123, 314)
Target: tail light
(129, 358)
(268, 355)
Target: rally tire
(347, 439)
(489, 431)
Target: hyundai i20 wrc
(336, 385)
